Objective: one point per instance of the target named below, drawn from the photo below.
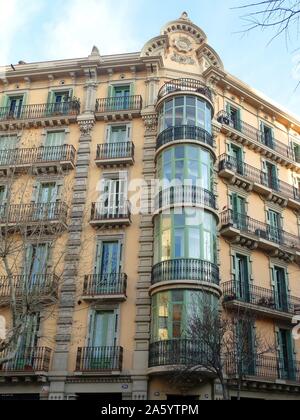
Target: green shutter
(71, 93)
(132, 89)
(91, 323)
(228, 108)
(110, 91)
(239, 122)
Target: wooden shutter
(91, 323)
(110, 91)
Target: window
(235, 116)
(118, 134)
(15, 104)
(271, 176)
(185, 236)
(286, 355)
(280, 282)
(108, 258)
(274, 226)
(267, 135)
(296, 148)
(113, 199)
(122, 96)
(185, 111)
(8, 142)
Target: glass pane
(179, 116)
(179, 220)
(207, 246)
(179, 243)
(179, 153)
(190, 101)
(166, 245)
(190, 116)
(179, 101)
(179, 170)
(194, 243)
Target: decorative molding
(86, 126)
(182, 59)
(150, 121)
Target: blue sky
(36, 30)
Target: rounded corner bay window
(173, 312)
(185, 110)
(189, 235)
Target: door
(15, 106)
(286, 356)
(25, 357)
(246, 358)
(114, 203)
(235, 117)
(267, 136)
(61, 102)
(36, 266)
(53, 146)
(8, 146)
(281, 289)
(46, 204)
(107, 266)
(121, 95)
(242, 278)
(239, 211)
(272, 178)
(236, 158)
(274, 226)
(118, 138)
(103, 338)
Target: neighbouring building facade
(79, 139)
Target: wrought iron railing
(186, 269)
(185, 194)
(20, 214)
(253, 133)
(30, 112)
(31, 284)
(185, 85)
(264, 367)
(259, 296)
(102, 212)
(180, 351)
(184, 132)
(31, 359)
(112, 151)
(255, 175)
(99, 359)
(105, 284)
(124, 103)
(259, 229)
(17, 157)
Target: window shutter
(91, 322)
(25, 98)
(234, 267)
(273, 277)
(35, 192)
(239, 119)
(110, 91)
(228, 108)
(50, 97)
(132, 89)
(97, 264)
(71, 94)
(128, 136)
(108, 134)
(59, 190)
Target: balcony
(122, 108)
(265, 302)
(39, 288)
(110, 217)
(39, 160)
(185, 85)
(256, 139)
(184, 195)
(183, 270)
(99, 359)
(38, 217)
(31, 361)
(165, 355)
(115, 154)
(251, 178)
(185, 134)
(240, 228)
(267, 368)
(39, 115)
(105, 287)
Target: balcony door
(36, 264)
(242, 280)
(239, 211)
(267, 135)
(52, 146)
(24, 358)
(236, 158)
(274, 226)
(108, 264)
(281, 289)
(15, 104)
(7, 145)
(271, 176)
(117, 139)
(235, 117)
(286, 355)
(47, 196)
(121, 95)
(246, 347)
(114, 203)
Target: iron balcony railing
(105, 284)
(99, 359)
(261, 230)
(33, 284)
(261, 297)
(248, 130)
(115, 104)
(102, 212)
(180, 351)
(264, 367)
(110, 151)
(186, 269)
(31, 112)
(17, 157)
(255, 175)
(184, 132)
(20, 214)
(185, 85)
(181, 194)
(30, 359)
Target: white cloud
(83, 23)
(14, 15)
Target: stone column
(143, 302)
(68, 291)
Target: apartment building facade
(118, 261)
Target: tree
(29, 232)
(223, 345)
(280, 15)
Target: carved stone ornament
(150, 122)
(182, 59)
(86, 126)
(183, 44)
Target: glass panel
(194, 243)
(179, 243)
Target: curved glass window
(191, 234)
(173, 311)
(185, 110)
(186, 163)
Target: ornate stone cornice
(150, 121)
(86, 125)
